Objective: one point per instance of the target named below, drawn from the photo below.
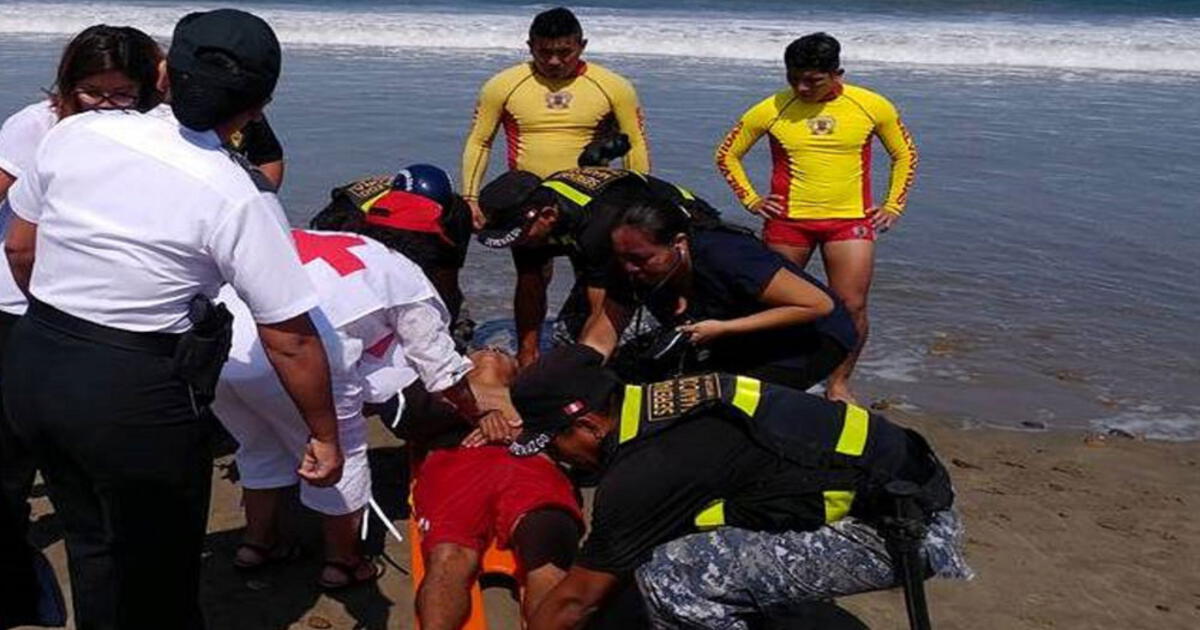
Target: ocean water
(1045, 274)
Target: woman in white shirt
(104, 67)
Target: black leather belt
(162, 344)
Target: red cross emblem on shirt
(334, 249)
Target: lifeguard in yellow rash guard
(821, 130)
(551, 108)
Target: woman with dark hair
(104, 67)
(744, 308)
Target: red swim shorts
(466, 496)
(812, 232)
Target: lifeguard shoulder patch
(589, 179)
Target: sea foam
(1127, 45)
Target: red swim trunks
(812, 232)
(466, 496)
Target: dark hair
(661, 220)
(555, 23)
(102, 48)
(817, 51)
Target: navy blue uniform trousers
(127, 461)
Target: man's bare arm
(529, 308)
(602, 331)
(574, 600)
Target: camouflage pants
(727, 577)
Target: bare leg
(545, 540)
(262, 519)
(444, 598)
(538, 584)
(341, 546)
(849, 266)
(798, 254)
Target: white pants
(272, 437)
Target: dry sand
(1064, 531)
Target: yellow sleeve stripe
(746, 394)
(631, 414)
(854, 431)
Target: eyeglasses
(95, 99)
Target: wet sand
(1064, 530)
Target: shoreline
(1063, 531)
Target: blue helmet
(426, 180)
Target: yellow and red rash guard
(547, 122)
(821, 153)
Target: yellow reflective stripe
(837, 504)
(711, 516)
(854, 431)
(746, 393)
(687, 194)
(631, 414)
(567, 191)
(368, 204)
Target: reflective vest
(840, 455)
(582, 185)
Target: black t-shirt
(257, 142)
(588, 244)
(655, 487)
(730, 270)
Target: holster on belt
(203, 350)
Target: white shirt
(381, 321)
(137, 214)
(19, 139)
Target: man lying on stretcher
(469, 490)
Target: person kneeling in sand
(469, 490)
(375, 306)
(727, 498)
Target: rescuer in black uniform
(570, 213)
(713, 484)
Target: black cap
(221, 62)
(563, 384)
(503, 203)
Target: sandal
(264, 556)
(350, 573)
